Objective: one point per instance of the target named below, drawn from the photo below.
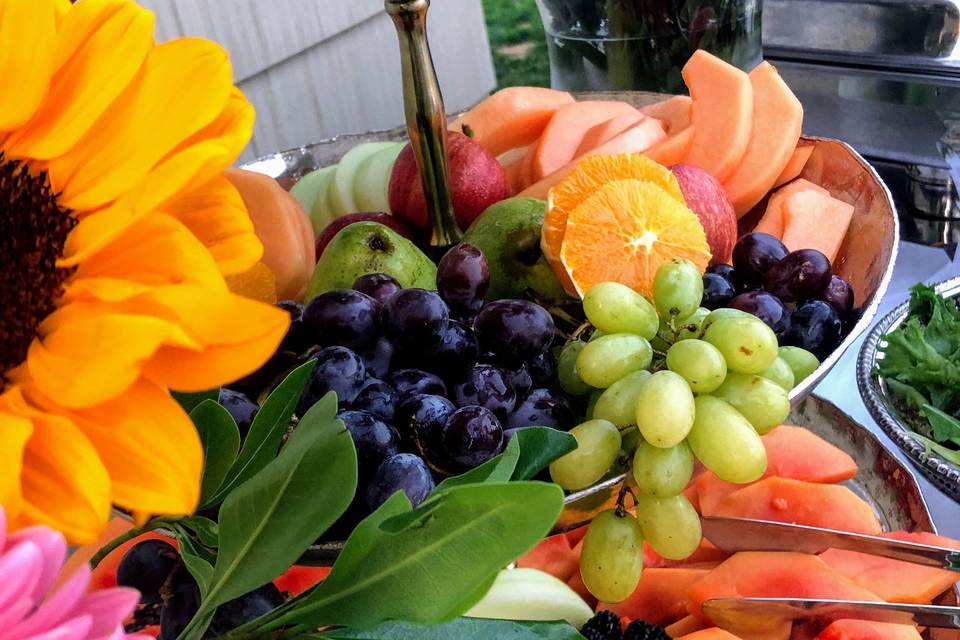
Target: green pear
(370, 247)
(508, 233)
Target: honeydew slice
(310, 187)
(371, 187)
(341, 189)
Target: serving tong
(740, 534)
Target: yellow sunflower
(117, 229)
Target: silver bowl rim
(944, 475)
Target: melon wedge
(813, 220)
(892, 580)
(562, 136)
(777, 121)
(722, 114)
(796, 164)
(311, 185)
(606, 131)
(674, 113)
(685, 626)
(828, 506)
(660, 597)
(772, 221)
(512, 117)
(512, 162)
(672, 150)
(866, 630)
(713, 633)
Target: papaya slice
(674, 113)
(777, 122)
(773, 221)
(893, 580)
(512, 117)
(712, 633)
(554, 555)
(721, 116)
(563, 134)
(660, 597)
(867, 630)
(796, 164)
(685, 626)
(672, 150)
(706, 553)
(813, 220)
(606, 131)
(828, 506)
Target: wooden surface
(317, 68)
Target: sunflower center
(33, 231)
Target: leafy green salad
(921, 369)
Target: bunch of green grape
(669, 383)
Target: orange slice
(258, 283)
(624, 231)
(590, 174)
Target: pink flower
(30, 561)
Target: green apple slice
(341, 189)
(312, 186)
(371, 188)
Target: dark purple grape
(420, 420)
(402, 472)
(839, 293)
(520, 379)
(452, 355)
(514, 330)
(409, 382)
(181, 601)
(816, 327)
(543, 369)
(463, 279)
(801, 275)
(722, 270)
(338, 369)
(298, 338)
(145, 567)
(244, 609)
(378, 398)
(374, 440)
(472, 436)
(343, 317)
(717, 291)
(242, 408)
(378, 357)
(542, 408)
(414, 317)
(485, 386)
(765, 306)
(753, 254)
(378, 286)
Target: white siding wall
(316, 68)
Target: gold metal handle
(426, 118)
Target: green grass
(517, 42)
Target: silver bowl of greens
(908, 372)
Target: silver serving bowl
(873, 388)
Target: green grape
(612, 556)
(615, 308)
(670, 525)
(762, 402)
(677, 289)
(598, 444)
(662, 472)
(567, 374)
(723, 312)
(618, 403)
(610, 357)
(801, 361)
(595, 335)
(747, 344)
(592, 402)
(691, 326)
(630, 440)
(781, 373)
(665, 409)
(725, 442)
(700, 363)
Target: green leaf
(499, 468)
(427, 565)
(462, 629)
(205, 529)
(199, 561)
(221, 443)
(189, 401)
(945, 426)
(267, 522)
(266, 430)
(539, 446)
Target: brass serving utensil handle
(426, 118)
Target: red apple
(477, 181)
(387, 220)
(706, 198)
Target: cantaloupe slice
(512, 162)
(722, 114)
(795, 165)
(712, 633)
(606, 131)
(512, 117)
(867, 630)
(562, 136)
(660, 597)
(777, 122)
(671, 150)
(892, 580)
(812, 220)
(772, 221)
(674, 113)
(685, 626)
(828, 506)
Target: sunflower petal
(96, 230)
(181, 88)
(216, 215)
(101, 44)
(14, 433)
(28, 29)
